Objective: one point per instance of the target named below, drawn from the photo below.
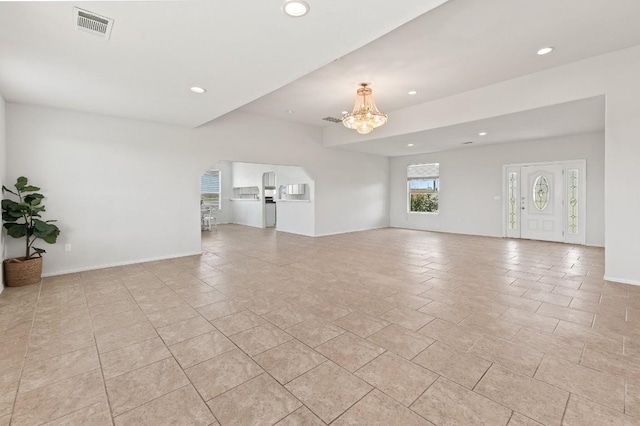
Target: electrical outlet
(67, 247)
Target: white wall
(471, 178)
(294, 217)
(116, 186)
(128, 191)
(3, 169)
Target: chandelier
(365, 115)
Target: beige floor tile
(494, 326)
(260, 401)
(581, 412)
(400, 379)
(520, 420)
(182, 407)
(632, 401)
(43, 372)
(259, 339)
(110, 322)
(223, 309)
(4, 420)
(48, 346)
(138, 387)
(517, 302)
(401, 341)
(132, 357)
(288, 316)
(566, 314)
(456, 336)
(315, 332)
(407, 318)
(591, 337)
(517, 358)
(113, 308)
(408, 300)
(328, 390)
(125, 336)
(462, 368)
(543, 296)
(447, 403)
(184, 330)
(580, 380)
(361, 324)
(535, 399)
(328, 311)
(301, 417)
(171, 315)
(8, 393)
(530, 320)
(619, 365)
(446, 312)
(549, 344)
(288, 361)
(221, 373)
(377, 409)
(202, 299)
(237, 322)
(59, 399)
(350, 351)
(198, 349)
(94, 415)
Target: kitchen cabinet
(269, 179)
(297, 189)
(270, 215)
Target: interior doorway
(546, 201)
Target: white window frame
(217, 205)
(437, 192)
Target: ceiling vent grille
(332, 119)
(92, 23)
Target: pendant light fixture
(365, 115)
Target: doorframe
(581, 164)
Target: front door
(541, 202)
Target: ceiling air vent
(332, 119)
(92, 23)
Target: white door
(542, 202)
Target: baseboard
(350, 232)
(622, 280)
(113, 265)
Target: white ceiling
(238, 51)
(578, 117)
(460, 46)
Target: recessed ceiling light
(290, 111)
(412, 92)
(196, 89)
(409, 144)
(545, 50)
(482, 134)
(295, 8)
(345, 112)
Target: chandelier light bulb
(365, 115)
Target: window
(423, 186)
(210, 188)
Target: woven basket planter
(19, 272)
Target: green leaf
(9, 204)
(7, 217)
(30, 188)
(51, 238)
(38, 250)
(33, 199)
(21, 182)
(18, 230)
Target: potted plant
(22, 219)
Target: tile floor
(385, 327)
